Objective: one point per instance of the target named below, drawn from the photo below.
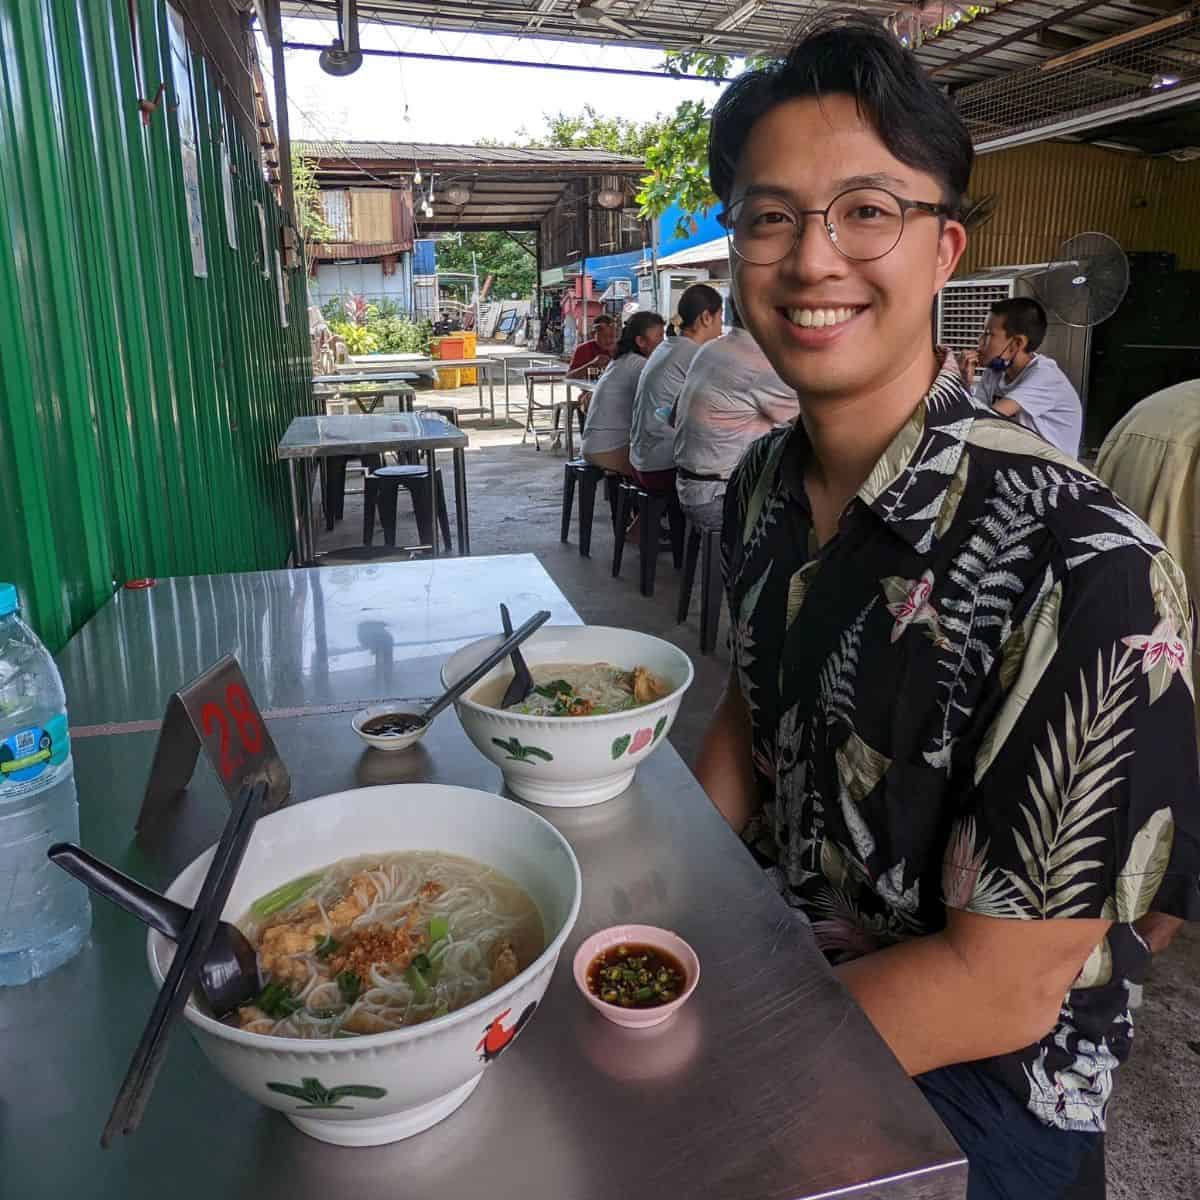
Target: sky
(391, 99)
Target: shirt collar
(913, 487)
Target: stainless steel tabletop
(317, 437)
(769, 1085)
(306, 639)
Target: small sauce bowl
(644, 935)
(386, 727)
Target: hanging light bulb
(417, 177)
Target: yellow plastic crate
(447, 378)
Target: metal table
(371, 393)
(310, 438)
(769, 1085)
(398, 368)
(523, 361)
(573, 405)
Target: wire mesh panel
(1159, 61)
(963, 310)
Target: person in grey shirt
(1009, 376)
(652, 446)
(731, 397)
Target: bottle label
(32, 758)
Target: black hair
(603, 319)
(850, 54)
(1023, 317)
(696, 301)
(637, 326)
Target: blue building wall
(707, 228)
(606, 268)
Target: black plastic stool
(588, 476)
(382, 489)
(705, 545)
(333, 482)
(649, 507)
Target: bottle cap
(8, 599)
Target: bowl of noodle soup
(606, 699)
(405, 935)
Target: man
(652, 441)
(1151, 459)
(959, 719)
(1009, 374)
(592, 356)
(731, 397)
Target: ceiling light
(417, 177)
(610, 198)
(457, 195)
(1163, 81)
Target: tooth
(843, 314)
(818, 318)
(830, 316)
(806, 317)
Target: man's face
(606, 338)
(875, 315)
(649, 341)
(995, 341)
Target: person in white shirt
(731, 397)
(652, 446)
(610, 413)
(1010, 376)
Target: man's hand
(968, 363)
(980, 987)
(725, 766)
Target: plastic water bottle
(45, 915)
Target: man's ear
(952, 242)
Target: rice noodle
(485, 910)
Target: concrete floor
(1153, 1143)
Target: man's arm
(725, 766)
(1006, 406)
(980, 987)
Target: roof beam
(1119, 39)
(1019, 35)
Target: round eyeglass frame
(727, 219)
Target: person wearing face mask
(958, 728)
(1010, 376)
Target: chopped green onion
(416, 981)
(349, 985)
(438, 950)
(422, 963)
(285, 895)
(277, 1001)
(553, 688)
(325, 946)
(645, 993)
(439, 929)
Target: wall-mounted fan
(595, 12)
(1086, 281)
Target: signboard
(216, 713)
(553, 276)
(181, 74)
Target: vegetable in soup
(636, 976)
(578, 690)
(381, 942)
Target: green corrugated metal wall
(139, 405)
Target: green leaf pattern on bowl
(514, 751)
(314, 1094)
(662, 722)
(620, 745)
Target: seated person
(610, 414)
(592, 356)
(1010, 376)
(652, 445)
(731, 397)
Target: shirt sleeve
(584, 353)
(1086, 789)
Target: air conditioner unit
(963, 307)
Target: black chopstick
(184, 973)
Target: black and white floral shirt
(978, 695)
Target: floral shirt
(978, 694)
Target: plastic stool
(649, 507)
(381, 490)
(705, 545)
(587, 476)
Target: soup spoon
(229, 977)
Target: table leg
(506, 409)
(570, 427)
(298, 547)
(310, 514)
(431, 465)
(491, 391)
(460, 502)
(479, 385)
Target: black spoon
(522, 683)
(229, 977)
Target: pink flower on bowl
(641, 740)
(644, 935)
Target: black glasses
(863, 224)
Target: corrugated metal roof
(423, 152)
(715, 251)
